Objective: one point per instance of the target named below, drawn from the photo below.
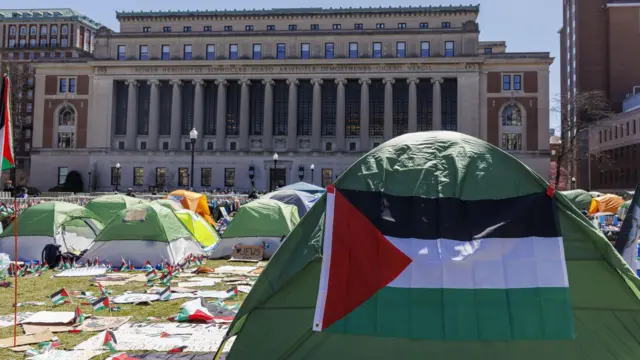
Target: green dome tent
(480, 296)
(144, 232)
(52, 222)
(260, 221)
(578, 198)
(108, 206)
(169, 204)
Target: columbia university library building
(316, 86)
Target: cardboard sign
(7, 320)
(247, 253)
(77, 272)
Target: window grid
(166, 29)
(138, 176)
(186, 29)
(449, 49)
(233, 51)
(328, 50)
(402, 25)
(337, 26)
(377, 50)
(450, 105)
(511, 141)
(305, 108)
(293, 27)
(205, 177)
(207, 28)
(353, 50)
(210, 107)
(248, 28)
(271, 27)
(257, 51)
(352, 108)
(183, 176)
(517, 82)
(425, 49)
(280, 107)
(122, 52)
(229, 177)
(115, 176)
(281, 52)
(380, 26)
(314, 27)
(506, 82)
(424, 93)
(144, 52)
(329, 103)
(401, 49)
(424, 25)
(256, 108)
(211, 52)
(228, 28)
(166, 52)
(188, 52)
(233, 109)
(400, 109)
(305, 51)
(376, 108)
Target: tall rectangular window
(506, 82)
(327, 177)
(233, 51)
(517, 82)
(281, 52)
(402, 25)
(183, 176)
(377, 50)
(146, 29)
(166, 29)
(401, 49)
(228, 28)
(488, 51)
(62, 88)
(144, 52)
(446, 25)
(337, 26)
(315, 26)
(424, 25)
(62, 175)
(207, 28)
(257, 51)
(305, 51)
(205, 177)
(229, 177)
(72, 85)
(161, 176)
(425, 49)
(166, 52)
(358, 26)
(328, 50)
(353, 50)
(293, 27)
(380, 26)
(211, 52)
(122, 52)
(186, 29)
(188, 52)
(138, 176)
(449, 49)
(115, 176)
(271, 27)
(248, 28)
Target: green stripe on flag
(462, 315)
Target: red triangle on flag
(363, 261)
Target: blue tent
(306, 187)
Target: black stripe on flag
(455, 219)
(3, 89)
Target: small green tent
(260, 221)
(108, 206)
(53, 222)
(144, 232)
(442, 170)
(578, 198)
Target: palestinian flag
(101, 304)
(110, 341)
(78, 318)
(147, 266)
(165, 294)
(151, 275)
(166, 280)
(124, 266)
(443, 268)
(194, 310)
(59, 297)
(6, 132)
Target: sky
(526, 25)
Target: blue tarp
(303, 186)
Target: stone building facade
(27, 35)
(315, 86)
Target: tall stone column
(154, 115)
(437, 103)
(483, 106)
(244, 114)
(413, 104)
(176, 112)
(364, 114)
(292, 120)
(340, 113)
(267, 129)
(388, 108)
(198, 113)
(316, 116)
(132, 115)
(221, 115)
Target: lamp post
(573, 183)
(193, 136)
(312, 167)
(118, 179)
(301, 172)
(252, 174)
(273, 173)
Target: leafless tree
(578, 113)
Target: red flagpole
(15, 271)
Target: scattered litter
(217, 294)
(7, 320)
(31, 303)
(67, 355)
(237, 270)
(85, 271)
(50, 317)
(38, 328)
(201, 283)
(244, 289)
(27, 339)
(147, 336)
(186, 275)
(114, 279)
(163, 356)
(133, 298)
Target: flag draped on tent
(627, 242)
(6, 132)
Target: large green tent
(53, 222)
(579, 198)
(141, 233)
(262, 221)
(108, 206)
(276, 321)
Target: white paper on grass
(203, 283)
(68, 355)
(134, 298)
(50, 317)
(146, 336)
(228, 269)
(213, 294)
(244, 288)
(88, 271)
(7, 320)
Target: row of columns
(292, 121)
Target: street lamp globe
(312, 167)
(193, 134)
(275, 156)
(118, 165)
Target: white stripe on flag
(489, 263)
(326, 261)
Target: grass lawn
(39, 289)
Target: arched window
(66, 135)
(43, 30)
(54, 30)
(64, 29)
(512, 125)
(33, 30)
(23, 30)
(12, 30)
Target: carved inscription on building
(319, 69)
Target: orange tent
(193, 201)
(605, 203)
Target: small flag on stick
(59, 297)
(101, 304)
(110, 341)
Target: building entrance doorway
(277, 179)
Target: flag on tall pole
(6, 137)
